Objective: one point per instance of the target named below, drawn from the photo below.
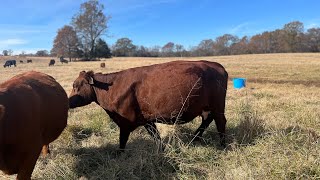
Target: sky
(31, 25)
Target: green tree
(102, 49)
(123, 47)
(5, 52)
(42, 53)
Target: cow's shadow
(211, 137)
(140, 160)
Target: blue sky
(31, 25)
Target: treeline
(290, 39)
(82, 40)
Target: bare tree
(155, 51)
(205, 48)
(167, 49)
(223, 43)
(293, 34)
(179, 49)
(313, 39)
(90, 23)
(65, 43)
(240, 47)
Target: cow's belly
(176, 118)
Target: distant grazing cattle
(62, 60)
(171, 93)
(33, 113)
(10, 63)
(52, 62)
(103, 65)
(21, 61)
(29, 61)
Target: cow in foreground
(173, 92)
(29, 60)
(33, 113)
(52, 62)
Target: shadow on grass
(241, 134)
(80, 133)
(139, 161)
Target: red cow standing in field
(33, 113)
(173, 92)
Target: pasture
(273, 126)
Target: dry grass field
(273, 127)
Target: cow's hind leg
(154, 133)
(221, 121)
(45, 150)
(207, 118)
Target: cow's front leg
(124, 135)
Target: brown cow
(29, 61)
(173, 92)
(33, 113)
(103, 65)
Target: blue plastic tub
(239, 83)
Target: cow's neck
(103, 97)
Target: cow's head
(82, 93)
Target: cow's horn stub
(82, 73)
(90, 73)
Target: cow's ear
(2, 111)
(90, 75)
(91, 80)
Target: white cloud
(247, 29)
(27, 51)
(239, 28)
(12, 42)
